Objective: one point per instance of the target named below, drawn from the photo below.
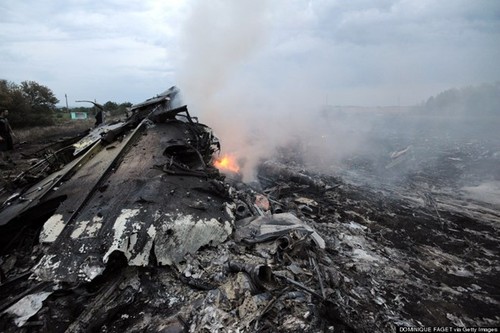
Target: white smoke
(235, 75)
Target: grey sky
(349, 52)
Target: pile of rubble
(139, 232)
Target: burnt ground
(411, 240)
(414, 226)
(36, 144)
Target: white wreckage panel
(125, 235)
(183, 234)
(177, 236)
(87, 229)
(262, 228)
(27, 307)
(52, 229)
(50, 268)
(173, 236)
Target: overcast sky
(362, 52)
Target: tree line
(32, 104)
(110, 107)
(479, 100)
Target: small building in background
(79, 115)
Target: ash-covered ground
(413, 218)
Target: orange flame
(227, 163)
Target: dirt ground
(32, 144)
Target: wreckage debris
(138, 231)
(264, 228)
(260, 275)
(280, 171)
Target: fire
(227, 163)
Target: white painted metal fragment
(121, 234)
(142, 258)
(186, 234)
(87, 229)
(27, 307)
(52, 229)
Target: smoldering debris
(149, 236)
(263, 228)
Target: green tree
(122, 108)
(110, 106)
(115, 108)
(42, 102)
(38, 95)
(29, 104)
(5, 94)
(467, 101)
(12, 99)
(19, 109)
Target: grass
(62, 129)
(65, 127)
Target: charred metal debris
(133, 229)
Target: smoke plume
(263, 79)
(219, 38)
(227, 77)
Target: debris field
(130, 227)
